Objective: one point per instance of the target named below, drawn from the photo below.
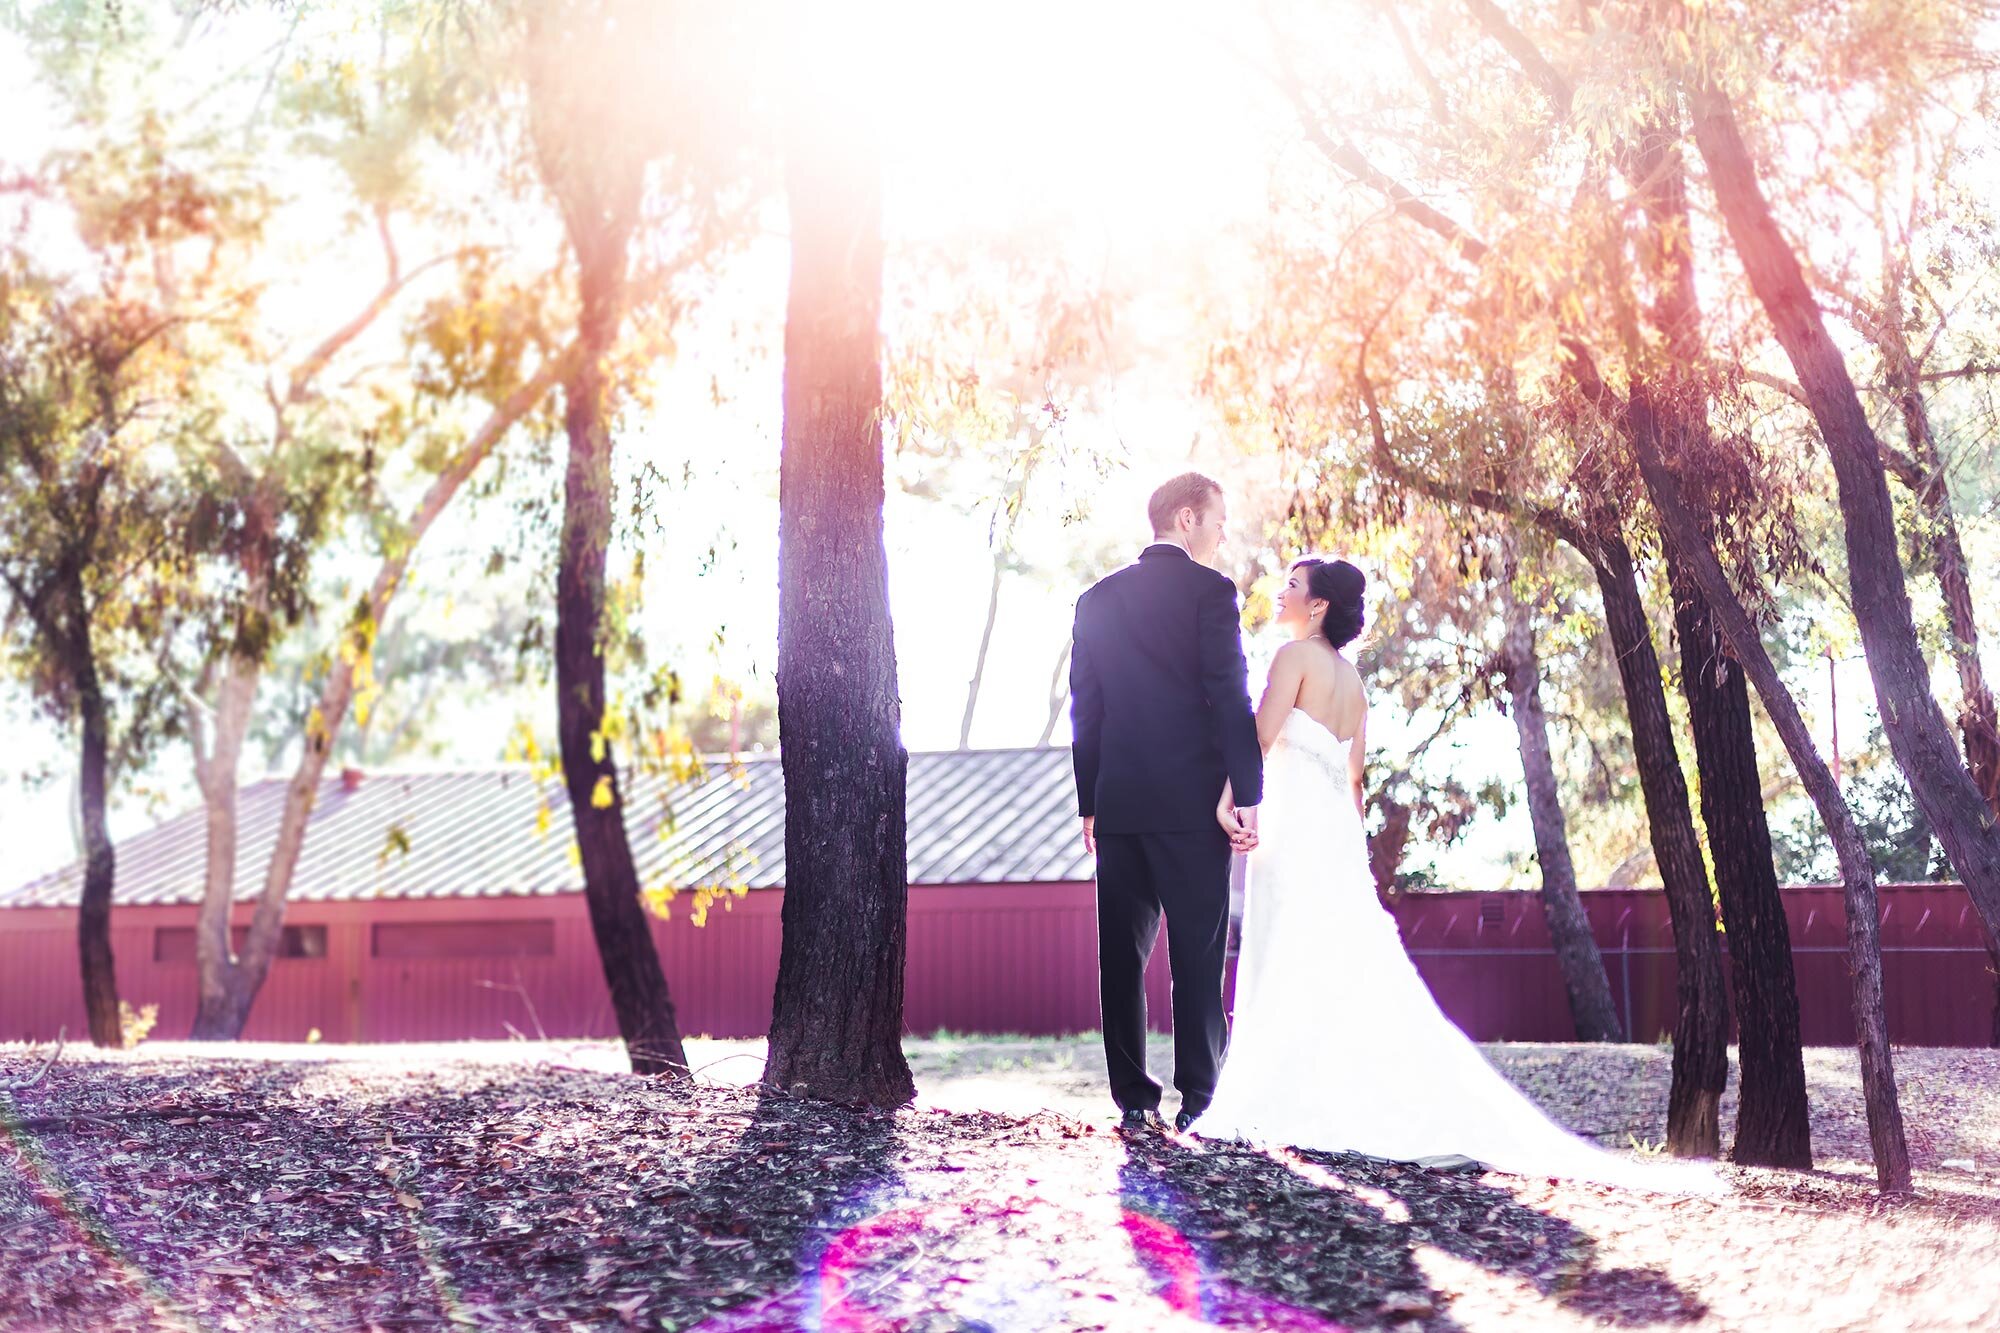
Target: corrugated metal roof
(975, 817)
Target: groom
(1160, 711)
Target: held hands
(1239, 822)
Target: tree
(1864, 965)
(1591, 1008)
(1772, 1123)
(1918, 733)
(311, 446)
(583, 58)
(1491, 301)
(96, 540)
(837, 1015)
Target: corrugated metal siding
(982, 958)
(975, 816)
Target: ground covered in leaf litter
(179, 1189)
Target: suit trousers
(1185, 877)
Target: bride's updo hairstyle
(1339, 585)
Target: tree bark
(1591, 1007)
(100, 860)
(618, 920)
(1773, 1127)
(1701, 1027)
(1918, 734)
(1864, 958)
(595, 165)
(221, 1004)
(837, 1014)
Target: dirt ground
(507, 1186)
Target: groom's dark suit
(1160, 711)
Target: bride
(1336, 1042)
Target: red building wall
(983, 958)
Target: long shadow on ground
(1244, 1238)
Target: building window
(464, 939)
(175, 944)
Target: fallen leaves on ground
(205, 1191)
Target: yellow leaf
(600, 795)
(542, 820)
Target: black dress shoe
(1184, 1120)
(1138, 1121)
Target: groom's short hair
(1190, 490)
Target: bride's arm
(1357, 766)
(1281, 694)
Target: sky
(1143, 135)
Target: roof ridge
(403, 770)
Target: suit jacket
(1159, 697)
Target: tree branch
(1350, 160)
(1414, 58)
(1970, 370)
(1784, 386)
(1551, 521)
(308, 370)
(1532, 62)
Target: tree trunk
(100, 861)
(221, 1005)
(1701, 1027)
(1864, 950)
(837, 1015)
(1918, 734)
(1591, 1008)
(1772, 1123)
(618, 920)
(985, 646)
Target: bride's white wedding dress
(1336, 1042)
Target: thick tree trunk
(100, 861)
(1918, 734)
(1772, 1123)
(1864, 958)
(1701, 1027)
(837, 1015)
(1592, 1010)
(985, 647)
